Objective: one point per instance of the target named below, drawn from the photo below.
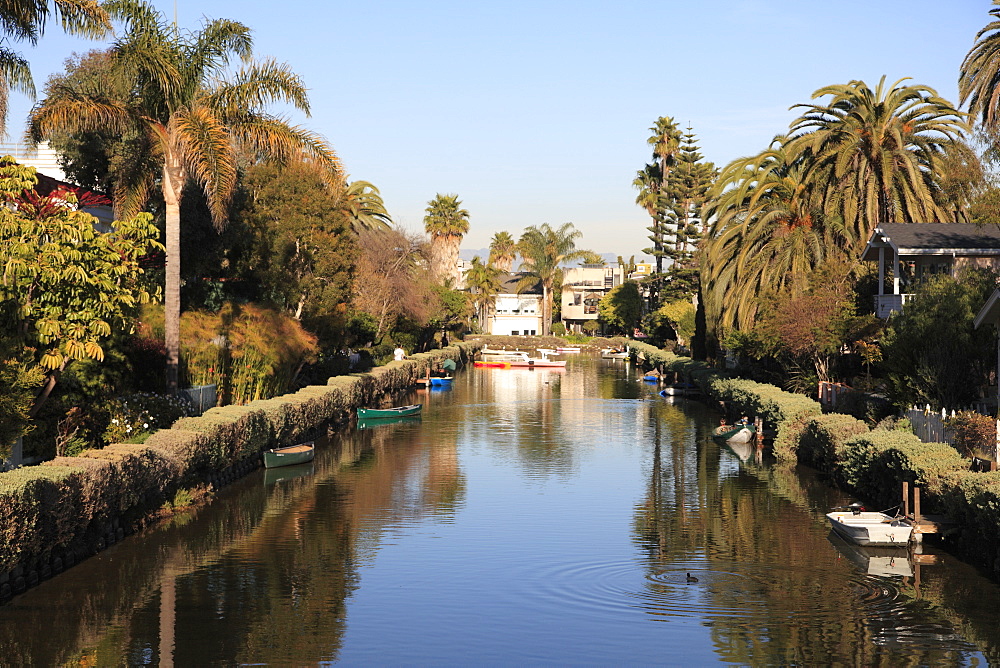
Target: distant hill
(483, 253)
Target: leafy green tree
(878, 156)
(679, 316)
(64, 287)
(621, 309)
(931, 353)
(191, 119)
(503, 251)
(303, 250)
(446, 223)
(543, 250)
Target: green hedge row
(871, 463)
(71, 503)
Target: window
(532, 332)
(515, 332)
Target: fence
(202, 397)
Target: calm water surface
(530, 517)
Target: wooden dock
(922, 524)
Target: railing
(886, 305)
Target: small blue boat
(441, 380)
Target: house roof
(990, 313)
(934, 239)
(508, 285)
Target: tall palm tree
(362, 202)
(543, 252)
(979, 76)
(768, 233)
(193, 121)
(503, 251)
(483, 280)
(446, 222)
(25, 21)
(878, 156)
(652, 180)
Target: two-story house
(514, 313)
(582, 289)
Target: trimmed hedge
(72, 503)
(972, 500)
(821, 441)
(877, 463)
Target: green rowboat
(399, 411)
(293, 454)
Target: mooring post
(758, 424)
(906, 499)
(916, 504)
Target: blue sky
(539, 111)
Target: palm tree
(483, 280)
(878, 156)
(503, 251)
(768, 233)
(979, 76)
(543, 251)
(192, 121)
(446, 223)
(364, 207)
(24, 21)
(651, 181)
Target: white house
(516, 314)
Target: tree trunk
(173, 182)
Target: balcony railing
(886, 305)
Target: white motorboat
(870, 528)
(614, 354)
(567, 350)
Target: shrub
(823, 438)
(558, 329)
(877, 463)
(973, 435)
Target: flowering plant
(134, 417)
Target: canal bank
(871, 463)
(65, 510)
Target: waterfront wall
(870, 463)
(66, 509)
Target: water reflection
(532, 517)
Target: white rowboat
(870, 528)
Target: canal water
(529, 517)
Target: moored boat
(738, 433)
(441, 380)
(398, 411)
(679, 390)
(614, 354)
(292, 454)
(491, 365)
(567, 350)
(542, 361)
(869, 528)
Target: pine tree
(686, 190)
